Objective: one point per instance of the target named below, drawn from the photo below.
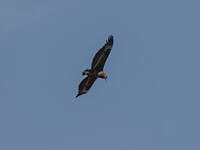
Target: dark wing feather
(101, 56)
(85, 85)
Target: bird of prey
(97, 66)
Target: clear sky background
(150, 101)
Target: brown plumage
(97, 66)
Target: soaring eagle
(97, 66)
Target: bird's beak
(106, 79)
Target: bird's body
(97, 66)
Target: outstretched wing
(101, 56)
(85, 85)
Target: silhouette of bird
(97, 66)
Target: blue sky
(150, 100)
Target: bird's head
(102, 75)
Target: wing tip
(78, 95)
(110, 38)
